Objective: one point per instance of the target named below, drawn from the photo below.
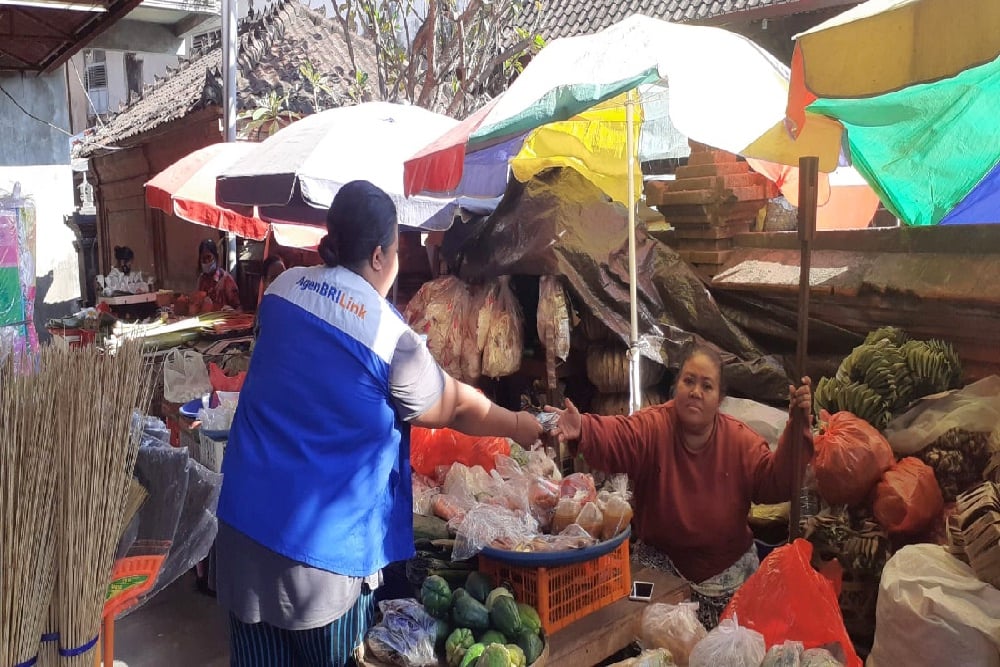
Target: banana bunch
(894, 335)
(837, 395)
(933, 364)
(881, 366)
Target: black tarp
(560, 224)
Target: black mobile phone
(641, 591)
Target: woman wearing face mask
(215, 281)
(317, 494)
(695, 471)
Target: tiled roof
(273, 46)
(564, 18)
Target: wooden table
(607, 631)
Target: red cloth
(693, 507)
(221, 289)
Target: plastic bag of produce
(788, 654)
(553, 315)
(819, 657)
(649, 658)
(405, 636)
(489, 525)
(439, 311)
(908, 498)
(786, 599)
(673, 627)
(543, 495)
(591, 519)
(185, 376)
(580, 487)
(574, 537)
(729, 644)
(505, 339)
(222, 382)
(432, 448)
(851, 456)
(614, 503)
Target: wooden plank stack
(714, 197)
(974, 531)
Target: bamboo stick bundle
(98, 446)
(27, 487)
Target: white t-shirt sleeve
(416, 381)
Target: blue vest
(318, 462)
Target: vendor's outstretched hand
(801, 397)
(569, 424)
(528, 429)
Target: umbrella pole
(635, 381)
(808, 196)
(230, 41)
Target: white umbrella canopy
(294, 175)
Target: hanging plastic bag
(908, 499)
(851, 456)
(222, 382)
(505, 340)
(185, 376)
(786, 599)
(439, 311)
(673, 627)
(729, 644)
(553, 316)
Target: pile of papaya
(482, 626)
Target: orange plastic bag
(222, 382)
(851, 456)
(788, 600)
(431, 448)
(908, 498)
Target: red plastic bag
(787, 600)
(432, 448)
(222, 382)
(908, 498)
(851, 456)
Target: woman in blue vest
(317, 495)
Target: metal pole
(635, 381)
(230, 44)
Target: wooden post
(808, 201)
(263, 276)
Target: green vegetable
(531, 644)
(495, 655)
(529, 618)
(457, 644)
(472, 655)
(429, 528)
(517, 658)
(478, 585)
(505, 617)
(493, 637)
(495, 595)
(443, 630)
(436, 596)
(468, 612)
(458, 593)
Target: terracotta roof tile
(272, 48)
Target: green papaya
(457, 644)
(493, 637)
(435, 594)
(529, 618)
(505, 617)
(531, 644)
(442, 631)
(478, 585)
(472, 655)
(467, 612)
(495, 595)
(495, 655)
(517, 658)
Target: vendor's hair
(271, 261)
(361, 218)
(123, 254)
(695, 348)
(208, 245)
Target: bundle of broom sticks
(68, 444)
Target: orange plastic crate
(566, 593)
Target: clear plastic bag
(543, 495)
(788, 654)
(469, 485)
(489, 525)
(731, 645)
(405, 636)
(567, 509)
(543, 463)
(424, 492)
(673, 627)
(553, 315)
(505, 339)
(614, 502)
(975, 408)
(591, 519)
(650, 658)
(185, 376)
(819, 657)
(574, 537)
(439, 311)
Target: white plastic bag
(974, 408)
(768, 422)
(731, 645)
(932, 610)
(673, 627)
(185, 376)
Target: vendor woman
(695, 471)
(317, 494)
(215, 281)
